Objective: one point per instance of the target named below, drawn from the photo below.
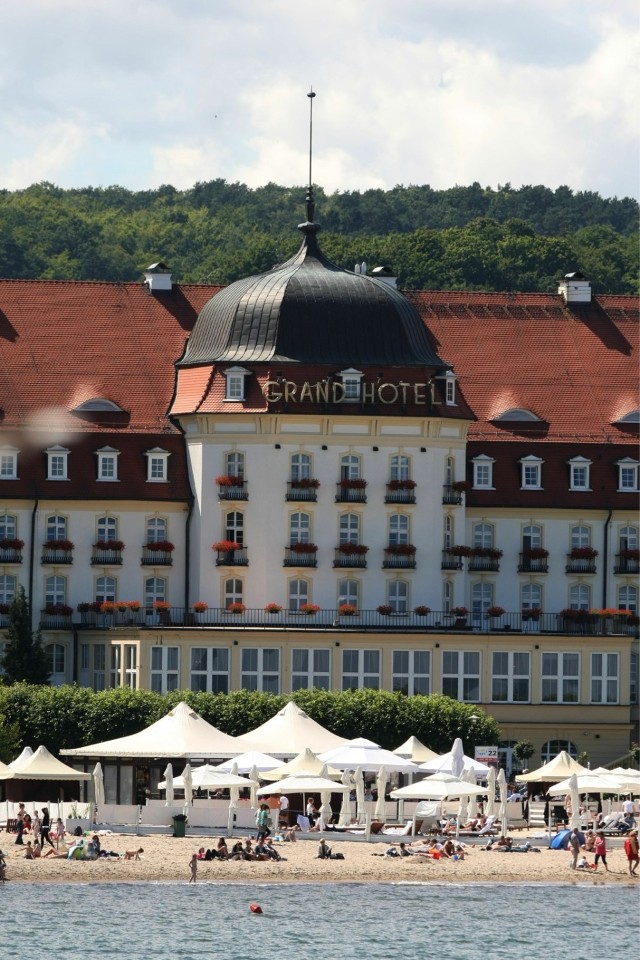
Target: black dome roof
(310, 311)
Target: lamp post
(473, 719)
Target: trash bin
(179, 823)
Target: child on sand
(193, 865)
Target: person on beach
(264, 822)
(193, 866)
(283, 815)
(36, 824)
(631, 851)
(20, 827)
(600, 850)
(589, 841)
(44, 829)
(3, 868)
(574, 847)
(629, 810)
(28, 853)
(324, 851)
(59, 830)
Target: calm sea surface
(318, 922)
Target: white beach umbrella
(234, 792)
(325, 802)
(490, 809)
(358, 779)
(382, 778)
(98, 785)
(472, 813)
(503, 812)
(168, 779)
(253, 775)
(208, 777)
(346, 810)
(187, 783)
(366, 755)
(252, 758)
(441, 786)
(301, 783)
(412, 749)
(306, 760)
(457, 758)
(444, 764)
(587, 782)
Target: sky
(149, 92)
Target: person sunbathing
(448, 848)
(52, 852)
(132, 854)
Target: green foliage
(24, 659)
(62, 717)
(9, 740)
(523, 750)
(462, 238)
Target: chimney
(386, 274)
(575, 288)
(157, 277)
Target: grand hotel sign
(327, 391)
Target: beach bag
(627, 847)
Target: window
(461, 675)
(105, 590)
(108, 463)
(234, 527)
(99, 660)
(628, 598)
(300, 467)
(156, 530)
(85, 661)
(300, 528)
(57, 463)
(7, 589)
(131, 666)
(449, 471)
(234, 463)
(399, 468)
(580, 537)
(360, 669)
(349, 592)
(450, 389)
(351, 384)
(398, 596)
(260, 669)
(155, 588)
(552, 748)
(531, 597)
(55, 653)
(349, 468)
(165, 669)
(107, 529)
(483, 472)
(516, 413)
(579, 473)
(531, 473)
(8, 527)
(634, 669)
(233, 590)
(447, 596)
(298, 594)
(210, 669)
(481, 599)
(349, 528)
(411, 672)
(483, 535)
(310, 668)
(56, 528)
(628, 538)
(510, 677)
(8, 463)
(447, 538)
(55, 590)
(627, 474)
(580, 596)
(115, 677)
(235, 381)
(398, 529)
(560, 677)
(157, 465)
(531, 537)
(604, 677)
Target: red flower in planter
(401, 485)
(583, 553)
(460, 612)
(460, 486)
(460, 551)
(109, 545)
(401, 549)
(536, 553)
(422, 611)
(58, 545)
(11, 544)
(306, 483)
(385, 609)
(272, 608)
(161, 605)
(107, 607)
(309, 608)
(236, 608)
(229, 481)
(200, 606)
(353, 483)
(161, 546)
(226, 546)
(58, 609)
(303, 547)
(347, 610)
(353, 548)
(495, 611)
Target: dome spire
(309, 226)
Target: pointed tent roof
(246, 761)
(42, 765)
(305, 762)
(19, 760)
(555, 770)
(413, 749)
(288, 733)
(368, 756)
(181, 733)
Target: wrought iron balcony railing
(451, 496)
(234, 491)
(296, 557)
(101, 556)
(395, 559)
(56, 556)
(450, 561)
(580, 565)
(624, 564)
(529, 564)
(232, 558)
(396, 494)
(346, 494)
(344, 557)
(305, 491)
(155, 558)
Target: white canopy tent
(368, 756)
(288, 733)
(445, 764)
(208, 777)
(252, 758)
(20, 759)
(181, 733)
(42, 765)
(588, 782)
(301, 783)
(560, 768)
(306, 760)
(441, 786)
(412, 749)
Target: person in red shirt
(600, 850)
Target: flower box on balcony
(230, 481)
(353, 483)
(306, 483)
(303, 547)
(58, 610)
(422, 611)
(460, 486)
(160, 546)
(200, 606)
(348, 610)
(273, 608)
(309, 609)
(630, 554)
(236, 608)
(493, 612)
(490, 553)
(356, 549)
(401, 549)
(401, 485)
(11, 544)
(385, 609)
(62, 545)
(225, 546)
(532, 614)
(535, 553)
(110, 545)
(4, 608)
(459, 550)
(460, 612)
(583, 553)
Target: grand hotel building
(348, 482)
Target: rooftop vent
(386, 274)
(575, 288)
(157, 277)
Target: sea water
(174, 921)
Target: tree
(523, 750)
(24, 659)
(9, 740)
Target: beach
(166, 858)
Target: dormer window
(57, 458)
(517, 413)
(531, 468)
(627, 475)
(8, 463)
(483, 472)
(157, 465)
(108, 463)
(450, 388)
(235, 380)
(579, 473)
(351, 383)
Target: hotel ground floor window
(99, 662)
(360, 669)
(510, 677)
(310, 668)
(552, 748)
(604, 677)
(461, 675)
(56, 660)
(260, 669)
(210, 669)
(560, 677)
(85, 664)
(164, 669)
(412, 672)
(115, 679)
(106, 590)
(131, 666)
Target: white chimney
(157, 277)
(386, 274)
(575, 288)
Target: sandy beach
(167, 858)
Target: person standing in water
(193, 865)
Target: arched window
(349, 592)
(233, 588)
(481, 599)
(234, 464)
(580, 596)
(56, 528)
(55, 590)
(298, 593)
(107, 529)
(628, 598)
(447, 596)
(300, 528)
(580, 537)
(300, 467)
(8, 527)
(531, 537)
(398, 596)
(447, 532)
(156, 529)
(234, 527)
(552, 748)
(349, 528)
(483, 535)
(531, 597)
(7, 589)
(399, 468)
(398, 529)
(105, 589)
(56, 661)
(628, 538)
(349, 467)
(155, 588)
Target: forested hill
(461, 238)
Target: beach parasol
(253, 775)
(442, 786)
(346, 811)
(412, 749)
(325, 802)
(252, 758)
(187, 783)
(306, 760)
(382, 778)
(503, 812)
(358, 779)
(588, 782)
(234, 792)
(98, 785)
(207, 777)
(444, 764)
(490, 809)
(457, 758)
(168, 779)
(367, 756)
(473, 799)
(301, 783)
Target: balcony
(452, 493)
(581, 564)
(303, 491)
(56, 619)
(107, 553)
(11, 551)
(351, 491)
(400, 491)
(350, 555)
(154, 556)
(627, 561)
(529, 563)
(399, 556)
(56, 555)
(485, 559)
(232, 558)
(300, 555)
(450, 561)
(232, 488)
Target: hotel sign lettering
(326, 391)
